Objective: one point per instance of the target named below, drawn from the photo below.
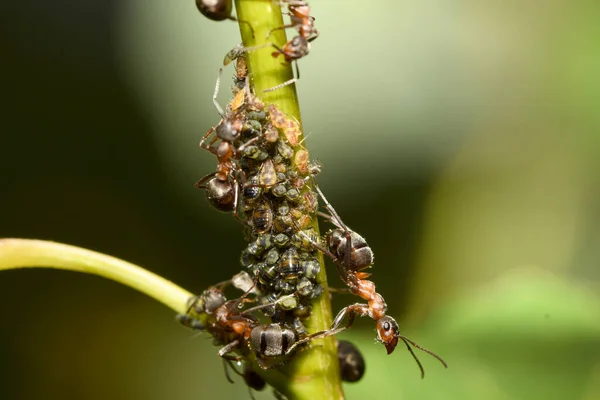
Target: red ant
(239, 331)
(298, 46)
(305, 24)
(352, 254)
(222, 186)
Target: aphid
(351, 254)
(289, 264)
(267, 175)
(262, 217)
(289, 127)
(301, 161)
(352, 363)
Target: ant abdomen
(220, 195)
(360, 255)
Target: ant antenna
(334, 217)
(431, 353)
(216, 93)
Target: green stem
(27, 253)
(313, 373)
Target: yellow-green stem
(314, 373)
(27, 253)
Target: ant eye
(386, 326)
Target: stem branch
(28, 253)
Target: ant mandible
(351, 254)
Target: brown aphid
(238, 100)
(293, 133)
(271, 134)
(310, 201)
(262, 217)
(302, 219)
(301, 161)
(290, 127)
(267, 176)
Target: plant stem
(313, 373)
(27, 253)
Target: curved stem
(313, 373)
(27, 253)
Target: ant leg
(278, 395)
(339, 290)
(261, 363)
(216, 93)
(297, 70)
(200, 183)
(316, 35)
(190, 322)
(224, 351)
(241, 21)
(278, 28)
(288, 82)
(316, 335)
(226, 364)
(206, 135)
(352, 311)
(235, 199)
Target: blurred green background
(460, 138)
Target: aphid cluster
(265, 179)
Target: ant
(239, 331)
(351, 254)
(298, 46)
(222, 186)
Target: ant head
(387, 329)
(212, 299)
(388, 333)
(229, 129)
